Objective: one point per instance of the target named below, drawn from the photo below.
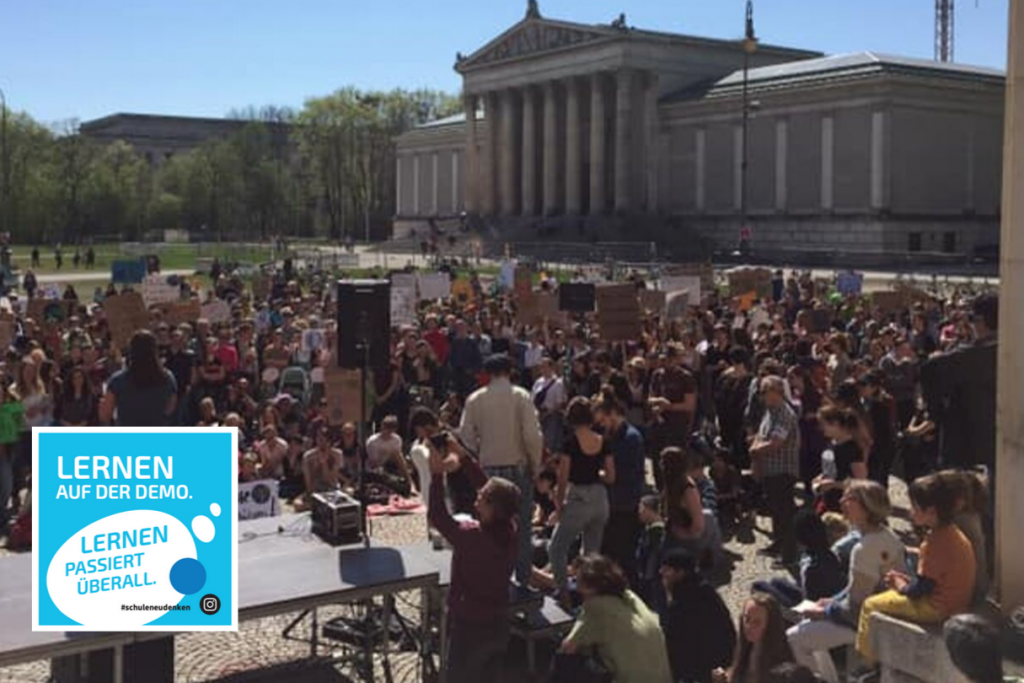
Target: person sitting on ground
(698, 628)
(820, 574)
(974, 646)
(617, 624)
(877, 551)
(761, 645)
(384, 458)
(944, 584)
(484, 554)
(321, 466)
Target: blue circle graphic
(188, 576)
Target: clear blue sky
(83, 59)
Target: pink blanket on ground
(397, 506)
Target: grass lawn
(172, 256)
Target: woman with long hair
(617, 626)
(77, 405)
(585, 465)
(761, 645)
(142, 394)
(841, 460)
(30, 390)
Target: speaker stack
(364, 323)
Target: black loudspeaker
(576, 297)
(364, 323)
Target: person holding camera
(483, 557)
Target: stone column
(827, 158)
(781, 164)
(1010, 392)
(878, 180)
(508, 154)
(488, 174)
(598, 153)
(573, 149)
(529, 152)
(623, 139)
(652, 135)
(550, 149)
(472, 159)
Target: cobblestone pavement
(257, 653)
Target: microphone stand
(361, 438)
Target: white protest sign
(155, 290)
(216, 311)
(258, 499)
(433, 286)
(678, 283)
(50, 291)
(403, 305)
(507, 275)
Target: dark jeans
(779, 491)
(621, 535)
(476, 652)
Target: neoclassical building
(600, 124)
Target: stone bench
(911, 653)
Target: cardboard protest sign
(433, 286)
(746, 301)
(216, 311)
(523, 283)
(342, 390)
(618, 312)
(462, 291)
(125, 314)
(537, 308)
(261, 287)
(850, 283)
(127, 272)
(889, 302)
(7, 331)
(157, 290)
(757, 280)
(178, 312)
(705, 271)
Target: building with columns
(609, 125)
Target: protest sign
(312, 340)
(341, 392)
(50, 291)
(577, 297)
(705, 271)
(261, 284)
(652, 301)
(434, 286)
(618, 312)
(746, 301)
(850, 283)
(177, 312)
(537, 308)
(677, 304)
(523, 283)
(8, 329)
(47, 312)
(506, 275)
(757, 280)
(462, 291)
(258, 499)
(139, 516)
(127, 272)
(678, 283)
(403, 302)
(125, 314)
(216, 311)
(157, 290)
(889, 302)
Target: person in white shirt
(384, 458)
(549, 397)
(501, 426)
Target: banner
(125, 314)
(434, 286)
(257, 499)
(135, 529)
(216, 311)
(127, 272)
(156, 290)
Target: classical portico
(570, 122)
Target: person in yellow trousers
(945, 579)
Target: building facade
(585, 124)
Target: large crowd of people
(607, 474)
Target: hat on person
(680, 559)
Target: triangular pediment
(535, 36)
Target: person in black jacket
(699, 632)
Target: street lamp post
(749, 48)
(5, 166)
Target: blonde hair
(873, 498)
